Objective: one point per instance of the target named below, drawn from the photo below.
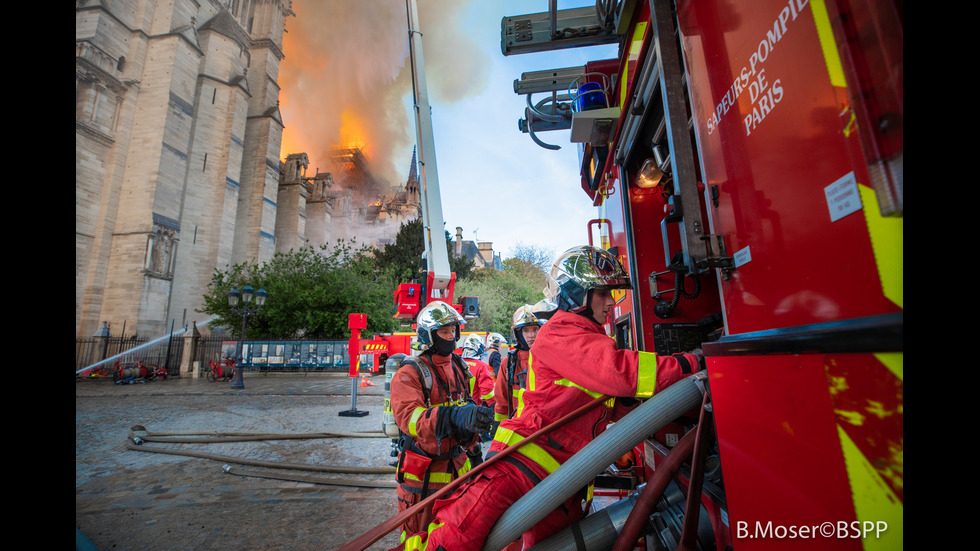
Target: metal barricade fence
(93, 350)
(267, 356)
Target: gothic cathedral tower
(177, 136)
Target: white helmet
(434, 316)
(579, 270)
(494, 340)
(473, 346)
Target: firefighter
(494, 341)
(481, 385)
(572, 361)
(435, 413)
(512, 377)
(481, 388)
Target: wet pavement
(129, 499)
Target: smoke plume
(346, 77)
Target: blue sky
(494, 179)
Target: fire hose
(618, 526)
(689, 445)
(625, 519)
(365, 540)
(218, 436)
(609, 446)
(136, 442)
(576, 473)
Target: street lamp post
(244, 310)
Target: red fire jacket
(436, 458)
(572, 362)
(508, 395)
(481, 385)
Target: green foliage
(311, 293)
(460, 265)
(501, 293)
(402, 261)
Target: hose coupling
(701, 380)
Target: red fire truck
(746, 159)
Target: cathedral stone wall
(177, 145)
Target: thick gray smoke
(346, 77)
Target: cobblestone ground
(134, 500)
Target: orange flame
(346, 77)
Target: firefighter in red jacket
(572, 362)
(512, 377)
(435, 413)
(481, 385)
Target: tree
(533, 255)
(501, 293)
(402, 261)
(311, 293)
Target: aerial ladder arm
(436, 253)
(440, 280)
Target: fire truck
(746, 161)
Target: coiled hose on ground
(136, 442)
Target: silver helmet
(495, 340)
(523, 317)
(434, 316)
(473, 346)
(579, 270)
(544, 309)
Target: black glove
(476, 455)
(471, 418)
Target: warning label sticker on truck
(843, 197)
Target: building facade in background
(177, 138)
(177, 162)
(343, 204)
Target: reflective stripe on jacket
(504, 407)
(417, 418)
(571, 362)
(481, 384)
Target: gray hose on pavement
(609, 446)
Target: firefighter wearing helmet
(512, 377)
(571, 362)
(433, 407)
(494, 342)
(481, 385)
